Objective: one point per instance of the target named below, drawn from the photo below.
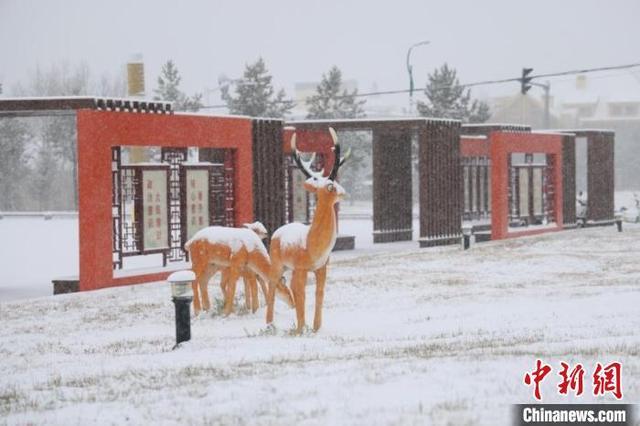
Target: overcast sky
(301, 39)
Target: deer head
(325, 188)
(258, 228)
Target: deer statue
(306, 248)
(236, 252)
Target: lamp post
(467, 231)
(547, 102)
(410, 71)
(618, 219)
(182, 295)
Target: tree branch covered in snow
(255, 95)
(169, 90)
(446, 98)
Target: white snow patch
(257, 227)
(292, 235)
(479, 137)
(182, 276)
(196, 163)
(234, 238)
(409, 336)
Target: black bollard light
(619, 222)
(182, 295)
(467, 231)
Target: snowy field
(35, 250)
(432, 336)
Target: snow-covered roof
(353, 120)
(58, 103)
(85, 97)
(373, 120)
(586, 130)
(203, 113)
(475, 125)
(553, 132)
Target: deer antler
(346, 156)
(338, 162)
(305, 167)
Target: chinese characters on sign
(605, 379)
(299, 197)
(197, 200)
(154, 207)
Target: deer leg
(298, 282)
(199, 269)
(251, 287)
(196, 299)
(223, 283)
(224, 286)
(246, 278)
(274, 279)
(232, 278)
(263, 286)
(321, 278)
(203, 282)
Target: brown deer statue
(306, 248)
(236, 252)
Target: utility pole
(547, 102)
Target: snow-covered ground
(410, 336)
(33, 250)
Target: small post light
(182, 295)
(467, 231)
(619, 221)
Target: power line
(476, 83)
(588, 70)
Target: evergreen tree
(447, 99)
(59, 135)
(169, 90)
(14, 136)
(43, 181)
(331, 102)
(255, 96)
(56, 136)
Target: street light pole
(547, 102)
(410, 71)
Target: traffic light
(525, 80)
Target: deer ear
(310, 187)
